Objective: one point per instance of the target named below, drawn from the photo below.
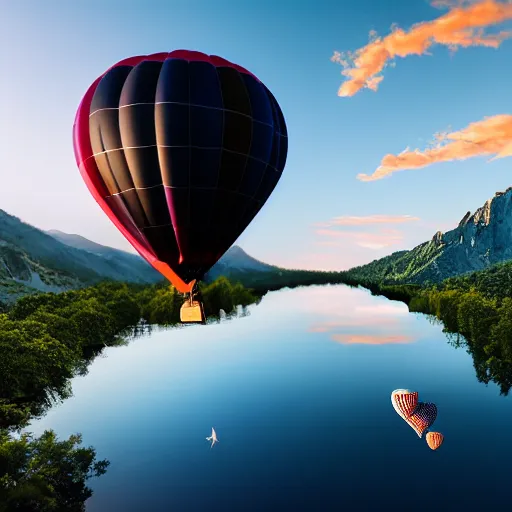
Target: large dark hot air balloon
(181, 150)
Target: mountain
(79, 242)
(129, 262)
(32, 260)
(236, 262)
(480, 240)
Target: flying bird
(213, 438)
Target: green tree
(28, 305)
(501, 332)
(164, 307)
(44, 474)
(32, 363)
(448, 309)
(217, 296)
(92, 320)
(59, 327)
(476, 315)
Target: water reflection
(327, 438)
(420, 416)
(434, 440)
(352, 316)
(238, 312)
(371, 340)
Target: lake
(298, 392)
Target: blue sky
(52, 51)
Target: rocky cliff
(480, 240)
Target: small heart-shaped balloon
(434, 440)
(423, 417)
(404, 402)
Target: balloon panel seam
(177, 147)
(189, 105)
(180, 188)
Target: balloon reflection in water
(423, 417)
(434, 440)
(418, 415)
(404, 402)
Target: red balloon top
(188, 55)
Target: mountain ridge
(480, 240)
(34, 260)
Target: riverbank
(45, 340)
(476, 312)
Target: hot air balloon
(404, 402)
(181, 150)
(434, 440)
(423, 417)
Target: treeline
(479, 307)
(45, 340)
(276, 279)
(161, 304)
(476, 311)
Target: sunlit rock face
(481, 239)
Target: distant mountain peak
(465, 220)
(80, 242)
(438, 238)
(32, 260)
(236, 259)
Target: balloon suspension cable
(192, 292)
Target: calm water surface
(299, 394)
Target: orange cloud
(462, 26)
(491, 136)
(368, 240)
(351, 339)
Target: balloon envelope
(404, 402)
(434, 440)
(181, 150)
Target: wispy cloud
(371, 339)
(346, 241)
(352, 220)
(463, 26)
(385, 238)
(374, 233)
(490, 136)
